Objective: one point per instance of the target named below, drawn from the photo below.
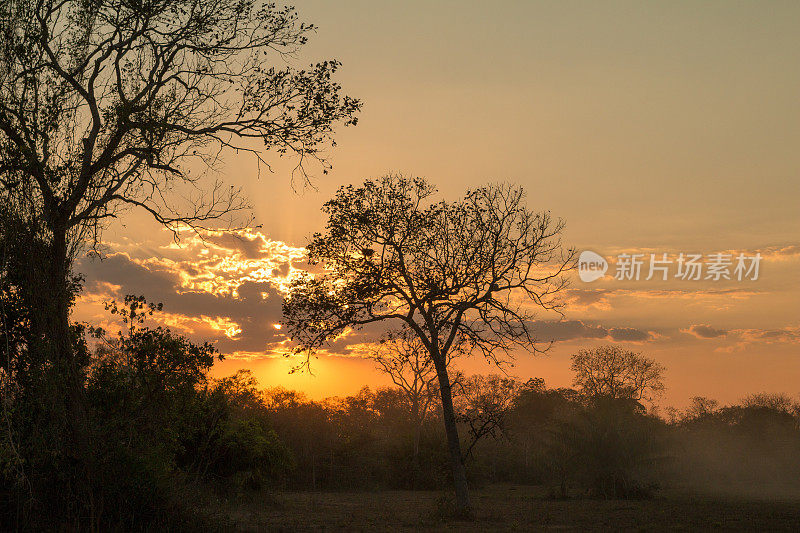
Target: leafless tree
(486, 402)
(614, 372)
(403, 357)
(471, 271)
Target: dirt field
(508, 508)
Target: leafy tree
(776, 402)
(611, 371)
(609, 447)
(158, 419)
(470, 271)
(235, 445)
(699, 408)
(107, 104)
(749, 447)
(305, 427)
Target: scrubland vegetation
(109, 105)
(174, 448)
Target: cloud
(565, 330)
(628, 334)
(780, 252)
(756, 337)
(226, 288)
(606, 299)
(704, 331)
(787, 334)
(706, 295)
(586, 298)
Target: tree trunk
(463, 506)
(51, 309)
(417, 421)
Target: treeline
(164, 436)
(162, 433)
(159, 433)
(528, 433)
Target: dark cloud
(250, 246)
(281, 271)
(234, 299)
(770, 335)
(119, 269)
(628, 334)
(587, 297)
(704, 331)
(565, 330)
(255, 310)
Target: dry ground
(507, 508)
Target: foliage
(107, 105)
(108, 102)
(157, 424)
(611, 371)
(452, 272)
(461, 276)
(750, 448)
(484, 404)
(610, 447)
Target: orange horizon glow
(654, 128)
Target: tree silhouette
(113, 103)
(486, 402)
(403, 357)
(613, 372)
(470, 271)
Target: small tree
(474, 269)
(486, 402)
(403, 357)
(610, 371)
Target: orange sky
(660, 128)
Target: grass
(506, 508)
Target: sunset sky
(648, 127)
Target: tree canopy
(105, 103)
(475, 269)
(614, 372)
(460, 276)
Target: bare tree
(613, 372)
(403, 357)
(112, 103)
(474, 270)
(486, 402)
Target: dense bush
(752, 448)
(157, 426)
(609, 447)
(164, 436)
